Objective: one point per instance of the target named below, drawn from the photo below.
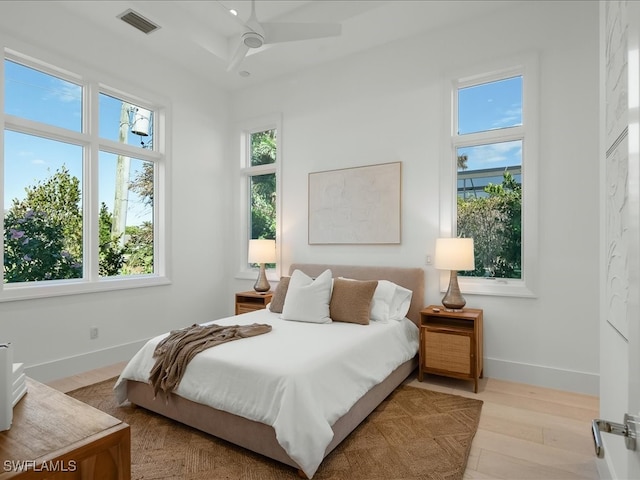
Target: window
(260, 156)
(492, 170)
(262, 185)
(81, 185)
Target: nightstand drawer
(448, 350)
(249, 301)
(246, 308)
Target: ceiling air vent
(138, 21)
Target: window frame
(92, 144)
(527, 66)
(244, 131)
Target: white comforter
(299, 378)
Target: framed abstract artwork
(359, 205)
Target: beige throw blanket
(174, 352)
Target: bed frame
(259, 437)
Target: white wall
(51, 336)
(386, 105)
(379, 106)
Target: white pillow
(400, 304)
(390, 302)
(307, 299)
(381, 301)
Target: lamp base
(453, 300)
(262, 284)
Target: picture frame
(356, 205)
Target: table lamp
(261, 252)
(454, 254)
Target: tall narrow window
(43, 229)
(493, 150)
(489, 179)
(259, 187)
(126, 186)
(262, 186)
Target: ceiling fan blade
(250, 25)
(238, 56)
(226, 12)
(291, 32)
(252, 21)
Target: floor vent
(138, 21)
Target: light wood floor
(525, 432)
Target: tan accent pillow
(351, 300)
(280, 293)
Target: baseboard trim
(73, 365)
(548, 377)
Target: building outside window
(81, 165)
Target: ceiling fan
(257, 34)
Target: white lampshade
(262, 251)
(454, 254)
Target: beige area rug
(414, 434)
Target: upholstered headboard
(407, 277)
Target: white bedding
(299, 378)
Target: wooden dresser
(56, 437)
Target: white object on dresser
(6, 386)
(19, 383)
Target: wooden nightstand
(451, 343)
(250, 301)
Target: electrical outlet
(93, 333)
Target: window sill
(35, 290)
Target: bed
(331, 403)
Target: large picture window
(492, 167)
(80, 188)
